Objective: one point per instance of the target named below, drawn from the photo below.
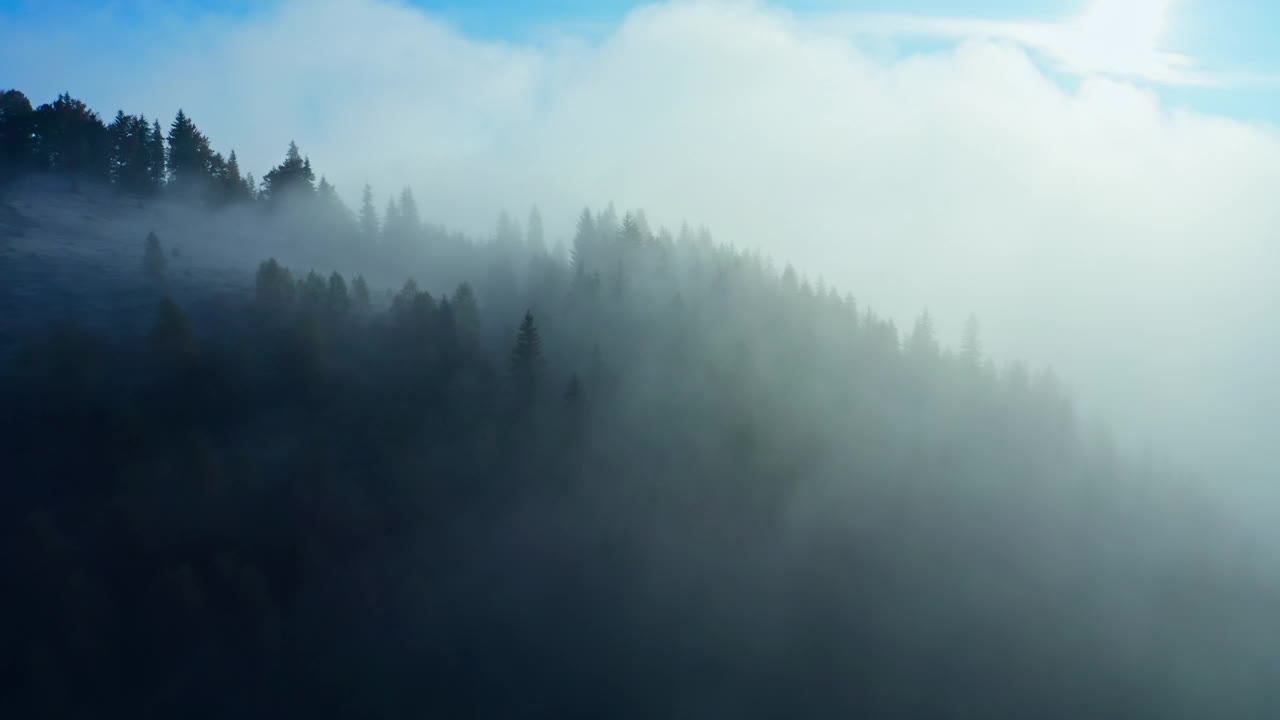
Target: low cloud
(1091, 227)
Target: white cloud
(1115, 38)
(1127, 243)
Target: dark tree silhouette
(130, 166)
(235, 187)
(526, 362)
(291, 178)
(157, 158)
(70, 138)
(17, 133)
(189, 156)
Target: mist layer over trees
(635, 474)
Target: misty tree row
(67, 136)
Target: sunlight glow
(1120, 36)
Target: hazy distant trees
(368, 216)
(507, 235)
(466, 311)
(402, 223)
(971, 342)
(172, 337)
(153, 260)
(360, 299)
(582, 255)
(534, 234)
(310, 453)
(923, 341)
(410, 222)
(273, 287)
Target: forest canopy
(635, 474)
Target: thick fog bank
(1090, 225)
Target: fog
(293, 458)
(1089, 224)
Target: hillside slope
(662, 480)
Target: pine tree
(71, 138)
(219, 191)
(630, 238)
(607, 223)
(190, 157)
(153, 260)
(573, 391)
(171, 336)
(119, 130)
(534, 238)
(156, 159)
(360, 299)
(466, 311)
(790, 282)
(971, 343)
(507, 236)
(527, 354)
(582, 255)
(339, 300)
(403, 302)
(923, 342)
(368, 216)
(313, 292)
(17, 132)
(526, 361)
(130, 163)
(331, 205)
(293, 177)
(236, 186)
(391, 220)
(410, 222)
(274, 286)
